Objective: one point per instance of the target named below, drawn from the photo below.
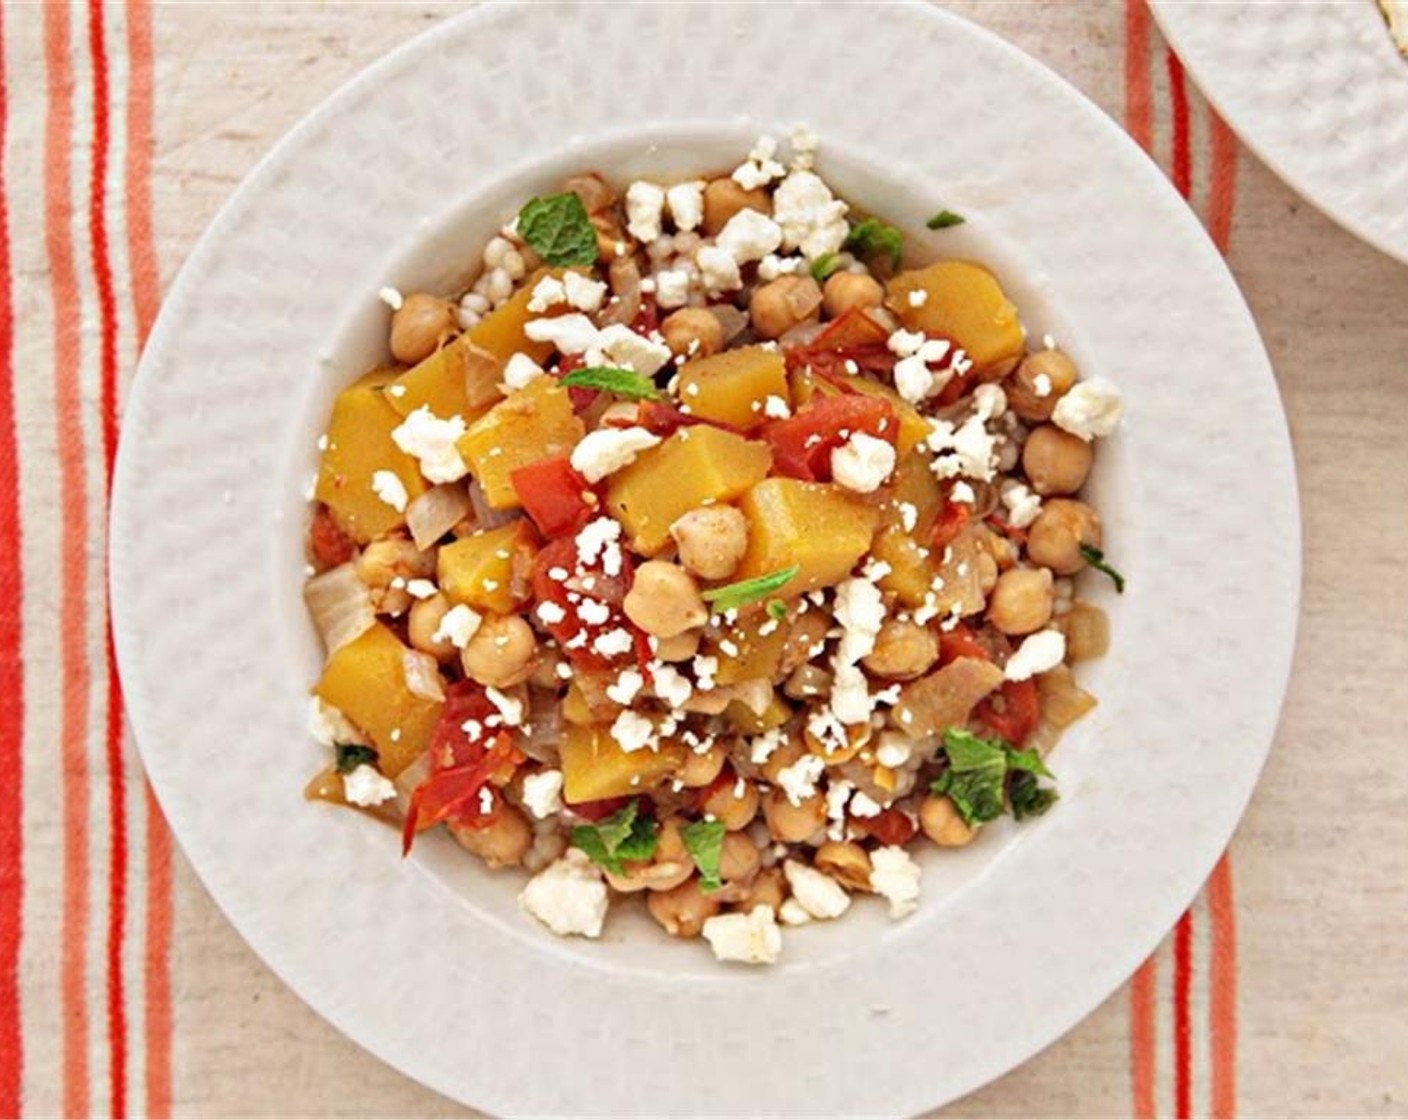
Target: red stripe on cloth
(1222, 185)
(73, 622)
(1143, 1037)
(116, 791)
(11, 668)
(1138, 85)
(1182, 154)
(1182, 1017)
(1223, 995)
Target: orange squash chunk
(459, 379)
(732, 387)
(489, 570)
(821, 528)
(965, 303)
(533, 423)
(594, 766)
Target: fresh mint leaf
(944, 219)
(1096, 559)
(612, 379)
(1029, 799)
(704, 840)
(620, 838)
(352, 755)
(734, 595)
(977, 778)
(873, 236)
(558, 229)
(824, 266)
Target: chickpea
(502, 843)
(942, 824)
(501, 652)
(734, 803)
(740, 858)
(846, 862)
(723, 198)
(664, 600)
(987, 572)
(700, 770)
(805, 639)
(846, 290)
(419, 326)
(693, 332)
(384, 562)
(425, 619)
(807, 682)
(682, 911)
(712, 540)
(679, 647)
(768, 888)
(1059, 373)
(1022, 600)
(903, 651)
(1055, 537)
(783, 757)
(1056, 461)
(784, 303)
(792, 824)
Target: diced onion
(341, 606)
(436, 512)
(422, 675)
(625, 286)
(755, 695)
(733, 321)
(1062, 700)
(801, 334)
(1087, 631)
(543, 741)
(485, 515)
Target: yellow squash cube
(501, 331)
(533, 423)
(732, 387)
(594, 767)
(963, 302)
(822, 528)
(459, 379)
(490, 569)
(906, 550)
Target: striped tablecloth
(124, 125)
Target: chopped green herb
(740, 594)
(621, 838)
(352, 755)
(824, 266)
(777, 609)
(873, 236)
(558, 229)
(704, 840)
(1029, 799)
(977, 773)
(945, 218)
(1096, 559)
(611, 379)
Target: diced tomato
(665, 419)
(959, 385)
(647, 319)
(1020, 711)
(556, 497)
(855, 328)
(961, 642)
(575, 635)
(891, 826)
(952, 520)
(329, 544)
(802, 444)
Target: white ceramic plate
(399, 179)
(1318, 91)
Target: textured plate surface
(398, 179)
(1318, 91)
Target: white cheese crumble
(569, 334)
(614, 643)
(519, 370)
(622, 346)
(1040, 653)
(798, 781)
(895, 877)
(804, 144)
(330, 727)
(607, 450)
(894, 750)
(598, 541)
(751, 938)
(962, 492)
(749, 236)
(567, 896)
(819, 895)
(421, 589)
(862, 463)
(626, 687)
(633, 732)
(367, 787)
(672, 288)
(547, 292)
(458, 626)
(775, 408)
(671, 685)
(686, 202)
(392, 297)
(390, 489)
(1041, 385)
(583, 293)
(918, 297)
(510, 707)
(761, 166)
(431, 441)
(1090, 409)
(644, 204)
(812, 219)
(1022, 504)
(718, 269)
(542, 793)
(791, 913)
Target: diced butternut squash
(696, 466)
(965, 303)
(460, 379)
(594, 767)
(501, 331)
(732, 387)
(915, 495)
(946, 697)
(749, 650)
(822, 528)
(359, 444)
(491, 569)
(366, 679)
(533, 423)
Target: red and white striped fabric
(87, 914)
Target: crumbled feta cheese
(644, 205)
(760, 168)
(850, 695)
(567, 896)
(542, 793)
(762, 747)
(903, 343)
(718, 269)
(791, 913)
(671, 685)
(390, 489)
(607, 450)
(895, 877)
(1041, 385)
(569, 334)
(626, 687)
(962, 492)
(772, 266)
(624, 347)
(392, 297)
(863, 805)
(969, 450)
(511, 708)
(367, 787)
(597, 540)
(913, 379)
(819, 895)
(614, 643)
(633, 732)
(519, 370)
(862, 463)
(330, 727)
(593, 613)
(1039, 653)
(1090, 409)
(431, 441)
(672, 288)
(775, 408)
(686, 202)
(550, 613)
(749, 236)
(989, 402)
(751, 938)
(582, 292)
(909, 516)
(421, 589)
(860, 610)
(918, 297)
(705, 669)
(811, 218)
(798, 781)
(804, 144)
(1022, 504)
(458, 626)
(547, 292)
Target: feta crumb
(718, 269)
(1039, 653)
(860, 610)
(686, 202)
(798, 781)
(903, 343)
(607, 450)
(593, 613)
(542, 793)
(458, 626)
(330, 727)
(749, 236)
(672, 288)
(624, 347)
(511, 708)
(1090, 409)
(895, 877)
(810, 217)
(390, 489)
(547, 292)
(392, 297)
(862, 463)
(751, 938)
(909, 516)
(431, 441)
(567, 896)
(671, 685)
(598, 540)
(645, 203)
(1022, 503)
(633, 732)
(614, 643)
(582, 292)
(760, 168)
(626, 687)
(367, 787)
(705, 669)
(962, 492)
(894, 750)
(569, 334)
(519, 370)
(863, 805)
(775, 408)
(819, 895)
(804, 144)
(791, 913)
(913, 379)
(421, 589)
(550, 613)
